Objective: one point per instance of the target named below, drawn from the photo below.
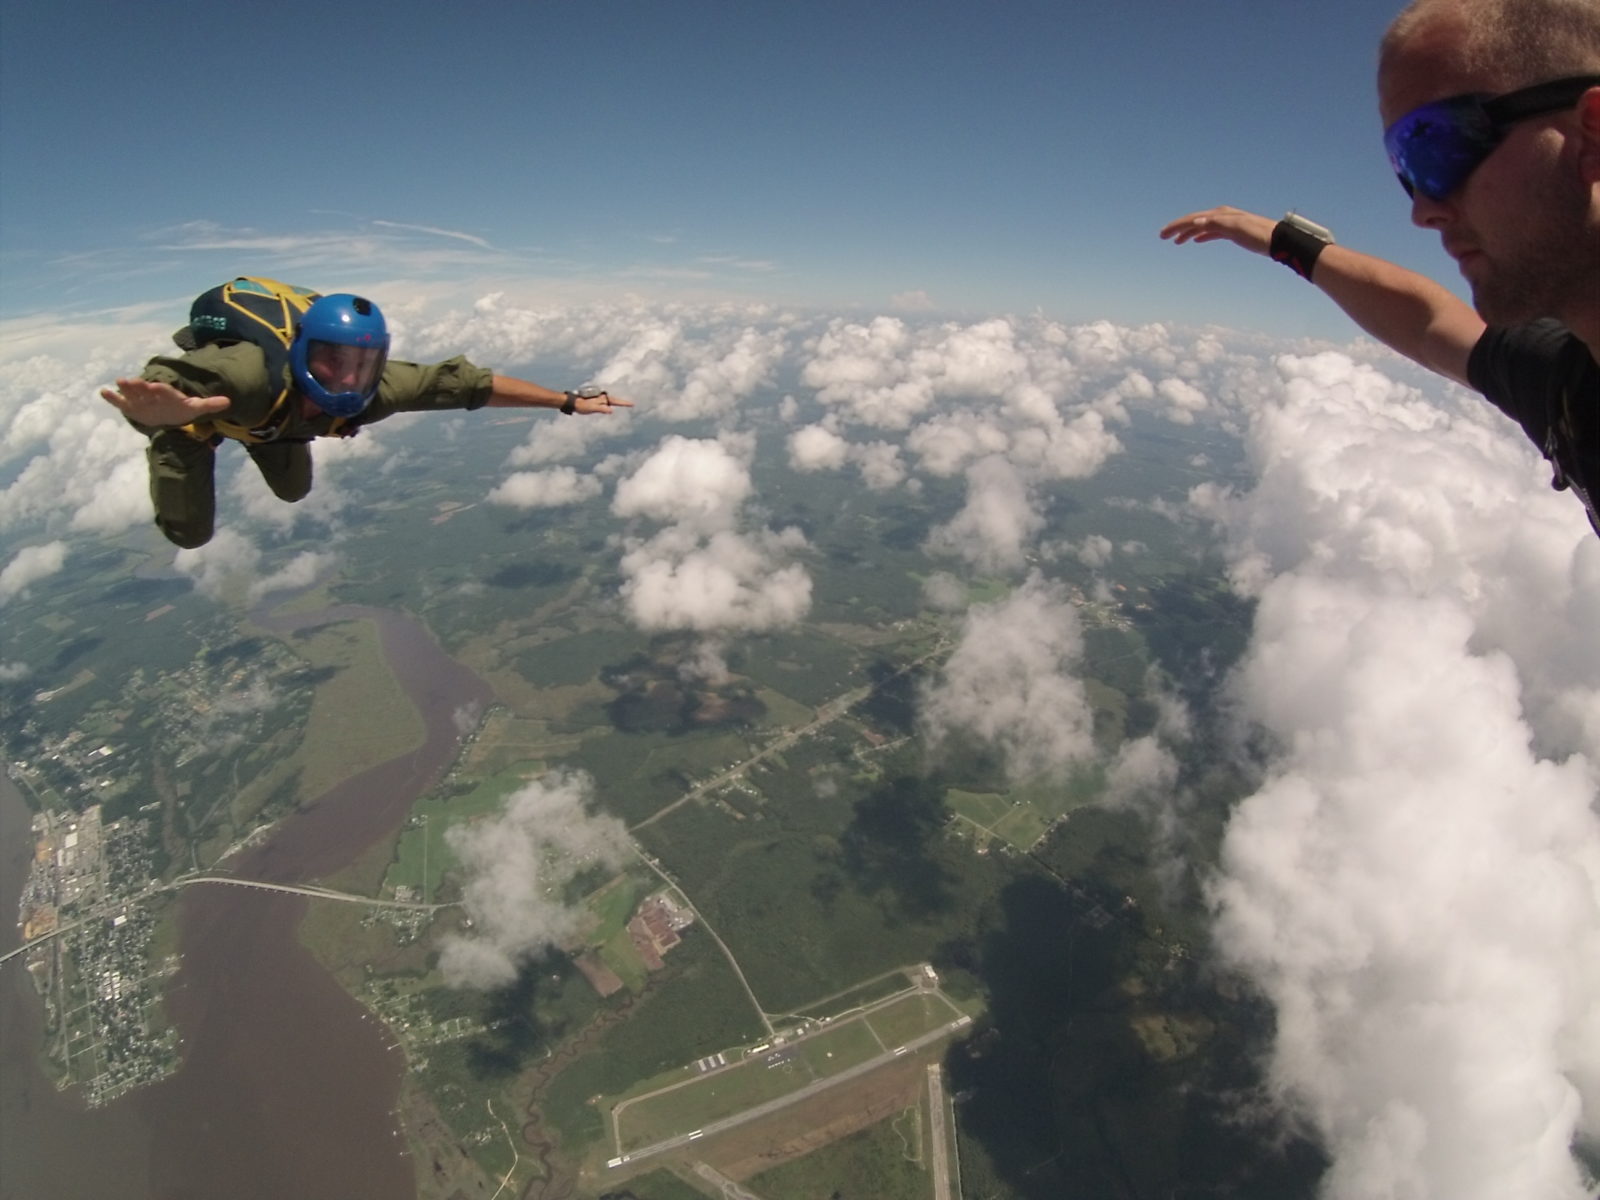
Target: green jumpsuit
(182, 460)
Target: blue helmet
(338, 353)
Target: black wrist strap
(587, 392)
(1295, 248)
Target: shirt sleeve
(237, 371)
(414, 387)
(1515, 368)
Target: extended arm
(519, 393)
(153, 404)
(1406, 311)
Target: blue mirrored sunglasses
(1434, 148)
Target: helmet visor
(346, 370)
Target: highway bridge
(298, 889)
(306, 889)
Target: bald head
(1524, 218)
(1495, 45)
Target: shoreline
(262, 1020)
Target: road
(826, 715)
(307, 889)
(118, 904)
(938, 1145)
(727, 1188)
(699, 916)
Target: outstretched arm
(147, 403)
(519, 393)
(1406, 311)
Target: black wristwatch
(1296, 243)
(583, 393)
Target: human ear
(1589, 135)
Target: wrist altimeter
(1296, 243)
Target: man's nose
(1428, 213)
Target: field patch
(983, 809)
(1024, 815)
(577, 658)
(782, 712)
(505, 740)
(844, 1046)
(423, 856)
(700, 1102)
(912, 1016)
(360, 715)
(886, 1160)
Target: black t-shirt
(1542, 377)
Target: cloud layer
(1415, 884)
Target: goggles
(1435, 147)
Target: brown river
(287, 1088)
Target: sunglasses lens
(1434, 148)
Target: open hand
(603, 403)
(148, 403)
(1224, 223)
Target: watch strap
(1296, 243)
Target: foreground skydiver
(1491, 111)
(274, 366)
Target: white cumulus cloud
(725, 581)
(1184, 400)
(817, 448)
(29, 565)
(517, 865)
(993, 529)
(553, 488)
(711, 570)
(1013, 683)
(301, 571)
(686, 479)
(228, 559)
(1416, 883)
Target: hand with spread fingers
(155, 404)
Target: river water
(287, 1087)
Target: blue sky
(998, 157)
